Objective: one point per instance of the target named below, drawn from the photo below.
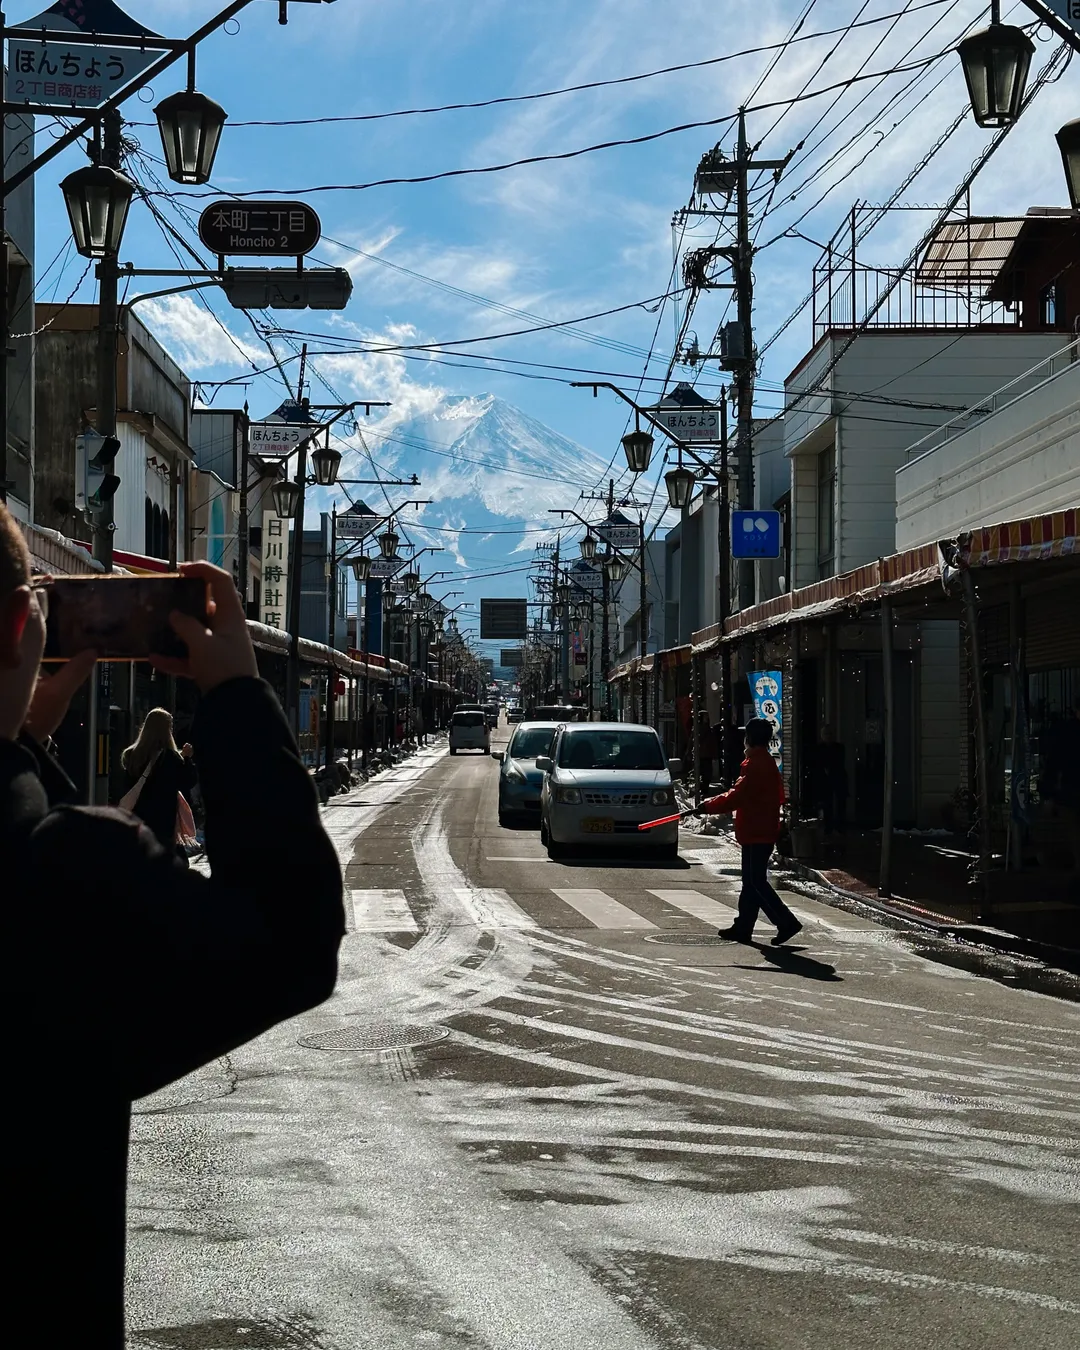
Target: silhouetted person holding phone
(127, 971)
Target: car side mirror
(543, 762)
(675, 767)
(497, 754)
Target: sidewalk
(931, 890)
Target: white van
(469, 731)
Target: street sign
(381, 568)
(45, 67)
(686, 416)
(510, 656)
(357, 522)
(503, 620)
(275, 438)
(1066, 10)
(619, 531)
(755, 534)
(259, 229)
(586, 578)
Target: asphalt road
(625, 1142)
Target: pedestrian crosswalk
(389, 911)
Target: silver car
(519, 778)
(601, 781)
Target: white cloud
(197, 339)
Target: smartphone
(121, 618)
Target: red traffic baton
(664, 820)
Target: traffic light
(97, 455)
(287, 287)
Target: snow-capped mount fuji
(485, 462)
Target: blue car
(520, 780)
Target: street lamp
(326, 462)
(996, 61)
(286, 495)
(412, 581)
(615, 568)
(637, 445)
(388, 544)
(588, 547)
(562, 593)
(680, 487)
(1068, 139)
(190, 126)
(361, 566)
(580, 611)
(97, 200)
(427, 629)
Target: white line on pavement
(697, 905)
(600, 909)
(489, 908)
(382, 911)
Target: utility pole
(108, 274)
(331, 678)
(243, 557)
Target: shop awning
(1039, 537)
(890, 576)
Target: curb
(1062, 958)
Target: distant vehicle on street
(515, 713)
(557, 712)
(601, 781)
(469, 730)
(520, 780)
(491, 711)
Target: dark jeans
(757, 893)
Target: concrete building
(153, 398)
(22, 321)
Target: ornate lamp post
(637, 446)
(996, 62)
(190, 125)
(680, 487)
(97, 200)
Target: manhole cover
(380, 1036)
(688, 939)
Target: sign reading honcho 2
(260, 228)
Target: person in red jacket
(756, 800)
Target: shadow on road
(614, 861)
(791, 962)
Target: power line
(564, 154)
(566, 89)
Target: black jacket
(127, 971)
(156, 806)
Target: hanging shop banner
(273, 599)
(767, 691)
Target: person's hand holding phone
(53, 695)
(217, 653)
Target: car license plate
(597, 825)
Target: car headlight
(514, 774)
(663, 796)
(571, 796)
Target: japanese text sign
(755, 534)
(274, 590)
(767, 691)
(260, 228)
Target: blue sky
(557, 240)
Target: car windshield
(596, 749)
(469, 719)
(530, 742)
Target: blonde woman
(154, 762)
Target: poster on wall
(767, 691)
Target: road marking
(492, 858)
(600, 909)
(489, 908)
(700, 906)
(381, 911)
